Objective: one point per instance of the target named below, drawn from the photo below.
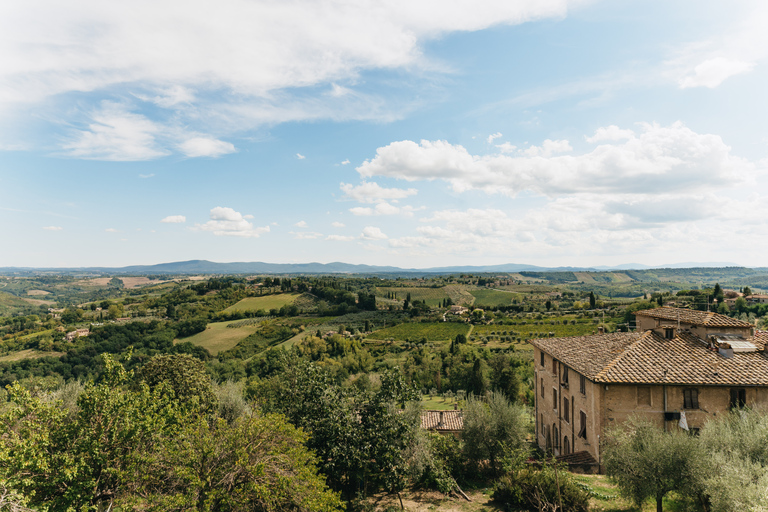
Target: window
(566, 411)
(583, 425)
(554, 366)
(644, 395)
(738, 398)
(583, 385)
(554, 398)
(542, 387)
(566, 446)
(669, 333)
(555, 437)
(565, 376)
(690, 398)
(542, 359)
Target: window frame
(738, 398)
(583, 385)
(583, 425)
(690, 398)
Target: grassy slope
(416, 331)
(494, 297)
(266, 302)
(217, 336)
(432, 296)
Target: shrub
(537, 489)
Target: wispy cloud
(289, 47)
(53, 228)
(300, 156)
(115, 134)
(206, 146)
(174, 219)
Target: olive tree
(736, 475)
(493, 427)
(647, 462)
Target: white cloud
(340, 238)
(345, 162)
(733, 49)
(300, 156)
(53, 228)
(238, 65)
(713, 72)
(206, 146)
(111, 230)
(493, 137)
(372, 233)
(548, 148)
(228, 222)
(305, 235)
(506, 147)
(337, 224)
(611, 132)
(145, 176)
(670, 158)
(174, 219)
(115, 134)
(371, 192)
(301, 224)
(384, 209)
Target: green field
(439, 331)
(432, 296)
(218, 337)
(538, 328)
(266, 302)
(493, 298)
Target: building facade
(678, 369)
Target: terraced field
(439, 331)
(537, 329)
(266, 302)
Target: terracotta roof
(648, 358)
(451, 420)
(690, 316)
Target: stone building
(678, 369)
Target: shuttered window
(583, 425)
(690, 398)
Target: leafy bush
(537, 489)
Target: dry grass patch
(28, 354)
(37, 292)
(217, 337)
(423, 501)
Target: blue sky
(404, 133)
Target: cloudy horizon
(411, 134)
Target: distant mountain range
(210, 267)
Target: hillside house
(72, 335)
(678, 369)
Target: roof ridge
(615, 361)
